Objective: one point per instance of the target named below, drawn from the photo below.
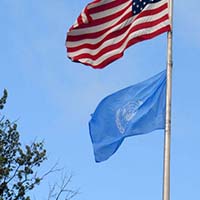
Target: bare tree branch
(62, 191)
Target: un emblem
(125, 114)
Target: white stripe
(111, 11)
(108, 24)
(121, 49)
(75, 24)
(98, 28)
(84, 19)
(108, 12)
(127, 22)
(152, 6)
(77, 32)
(97, 4)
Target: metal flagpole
(166, 173)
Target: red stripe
(131, 42)
(148, 36)
(97, 9)
(145, 13)
(79, 20)
(97, 34)
(116, 46)
(153, 11)
(118, 33)
(94, 35)
(96, 22)
(101, 65)
(107, 6)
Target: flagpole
(167, 140)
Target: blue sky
(52, 98)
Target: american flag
(105, 28)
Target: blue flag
(135, 110)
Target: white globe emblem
(125, 114)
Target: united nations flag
(135, 110)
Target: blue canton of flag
(139, 5)
(135, 110)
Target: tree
(19, 165)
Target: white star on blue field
(139, 5)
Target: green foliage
(18, 165)
(3, 99)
